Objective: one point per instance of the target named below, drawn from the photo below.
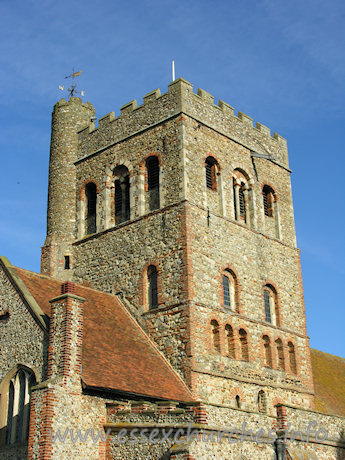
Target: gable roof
(329, 382)
(116, 352)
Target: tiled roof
(329, 382)
(117, 354)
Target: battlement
(180, 98)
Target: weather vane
(72, 91)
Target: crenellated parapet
(181, 99)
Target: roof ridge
(48, 277)
(326, 353)
(38, 274)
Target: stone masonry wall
(183, 129)
(23, 342)
(201, 142)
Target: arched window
(292, 358)
(271, 305)
(18, 406)
(238, 402)
(152, 288)
(91, 208)
(229, 290)
(280, 355)
(230, 342)
(262, 401)
(211, 173)
(268, 200)
(267, 351)
(152, 168)
(244, 345)
(243, 199)
(215, 335)
(122, 197)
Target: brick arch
(229, 268)
(218, 163)
(84, 184)
(268, 184)
(151, 154)
(126, 163)
(278, 310)
(241, 173)
(237, 391)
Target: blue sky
(280, 62)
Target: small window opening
(238, 402)
(152, 277)
(67, 263)
(226, 291)
(211, 173)
(262, 401)
(268, 194)
(91, 197)
(122, 195)
(267, 298)
(152, 167)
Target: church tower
(186, 210)
(67, 119)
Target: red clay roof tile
(116, 352)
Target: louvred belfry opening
(211, 173)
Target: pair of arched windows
(231, 300)
(121, 199)
(18, 406)
(280, 355)
(242, 191)
(237, 346)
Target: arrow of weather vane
(72, 91)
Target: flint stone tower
(186, 209)
(67, 119)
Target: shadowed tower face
(67, 119)
(187, 209)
